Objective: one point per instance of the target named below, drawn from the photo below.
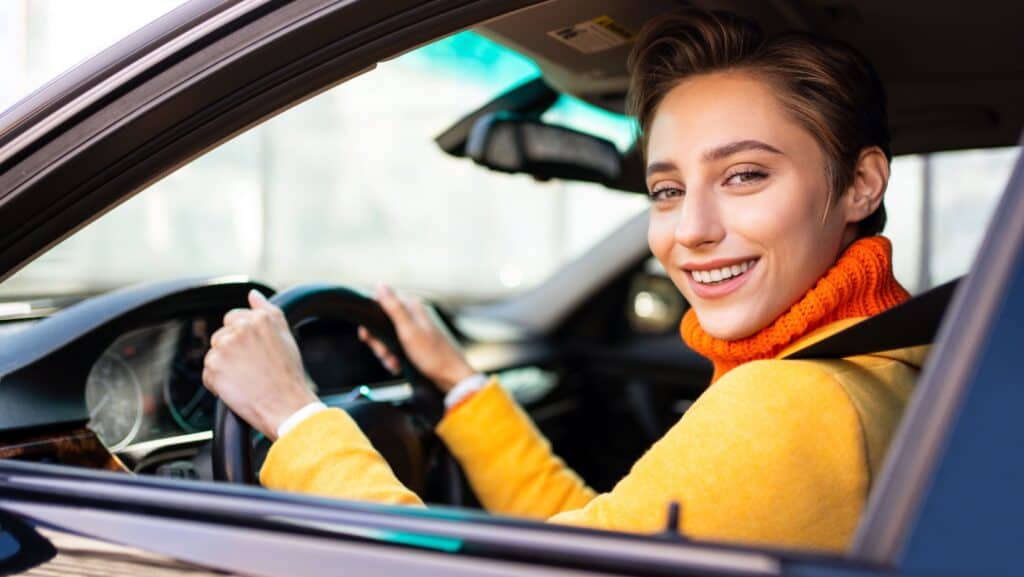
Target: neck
(860, 284)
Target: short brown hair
(828, 87)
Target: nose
(699, 223)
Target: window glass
(966, 186)
(939, 206)
(903, 223)
(350, 187)
(574, 113)
(42, 38)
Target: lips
(718, 278)
(721, 274)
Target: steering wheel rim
(232, 445)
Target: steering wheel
(403, 435)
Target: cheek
(779, 215)
(661, 235)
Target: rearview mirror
(518, 144)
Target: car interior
(113, 381)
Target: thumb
(258, 301)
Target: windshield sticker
(601, 33)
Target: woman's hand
(254, 366)
(427, 344)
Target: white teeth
(721, 274)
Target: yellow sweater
(777, 452)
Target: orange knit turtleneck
(860, 284)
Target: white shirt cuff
(459, 392)
(464, 389)
(298, 416)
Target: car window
(939, 206)
(40, 39)
(350, 188)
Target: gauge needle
(99, 406)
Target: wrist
(298, 417)
(454, 376)
(279, 410)
(464, 389)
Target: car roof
(952, 70)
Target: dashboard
(128, 365)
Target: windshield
(350, 188)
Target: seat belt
(910, 324)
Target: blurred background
(349, 187)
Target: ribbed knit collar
(860, 284)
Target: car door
(946, 502)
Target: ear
(870, 178)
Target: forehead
(713, 109)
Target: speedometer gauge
(114, 399)
(191, 405)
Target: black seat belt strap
(910, 324)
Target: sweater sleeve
(772, 453)
(507, 461)
(326, 454)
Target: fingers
(394, 307)
(365, 336)
(407, 313)
(211, 369)
(377, 346)
(258, 301)
(417, 311)
(263, 316)
(263, 310)
(380, 350)
(208, 380)
(255, 367)
(391, 363)
(236, 316)
(217, 339)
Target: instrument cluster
(148, 383)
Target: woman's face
(740, 214)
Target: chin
(728, 325)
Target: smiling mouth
(720, 275)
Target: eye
(665, 193)
(746, 176)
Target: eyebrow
(663, 166)
(727, 150)
(717, 153)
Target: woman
(767, 162)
